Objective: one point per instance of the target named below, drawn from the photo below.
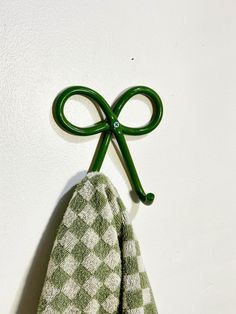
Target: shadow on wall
(35, 279)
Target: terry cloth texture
(95, 264)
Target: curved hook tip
(148, 199)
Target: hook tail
(148, 198)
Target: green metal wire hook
(110, 126)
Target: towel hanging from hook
(111, 125)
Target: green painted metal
(111, 125)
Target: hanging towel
(95, 264)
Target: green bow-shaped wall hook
(111, 125)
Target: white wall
(185, 50)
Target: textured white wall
(185, 50)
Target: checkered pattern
(95, 264)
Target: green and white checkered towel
(95, 264)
